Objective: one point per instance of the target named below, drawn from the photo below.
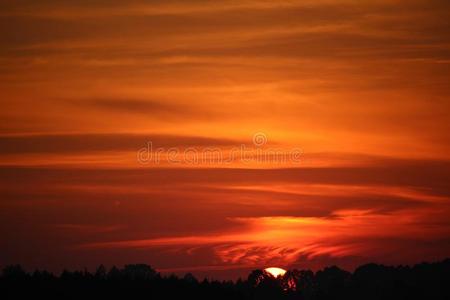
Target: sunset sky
(355, 95)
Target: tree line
(140, 281)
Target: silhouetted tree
(14, 272)
(138, 272)
(100, 273)
(332, 283)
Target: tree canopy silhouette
(370, 281)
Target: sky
(217, 137)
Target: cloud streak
(283, 240)
(76, 143)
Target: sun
(275, 272)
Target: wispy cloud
(284, 240)
(76, 143)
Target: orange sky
(359, 89)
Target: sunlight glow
(275, 272)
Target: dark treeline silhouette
(370, 281)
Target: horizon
(276, 273)
(218, 137)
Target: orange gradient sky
(359, 88)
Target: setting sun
(275, 272)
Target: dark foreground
(371, 281)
